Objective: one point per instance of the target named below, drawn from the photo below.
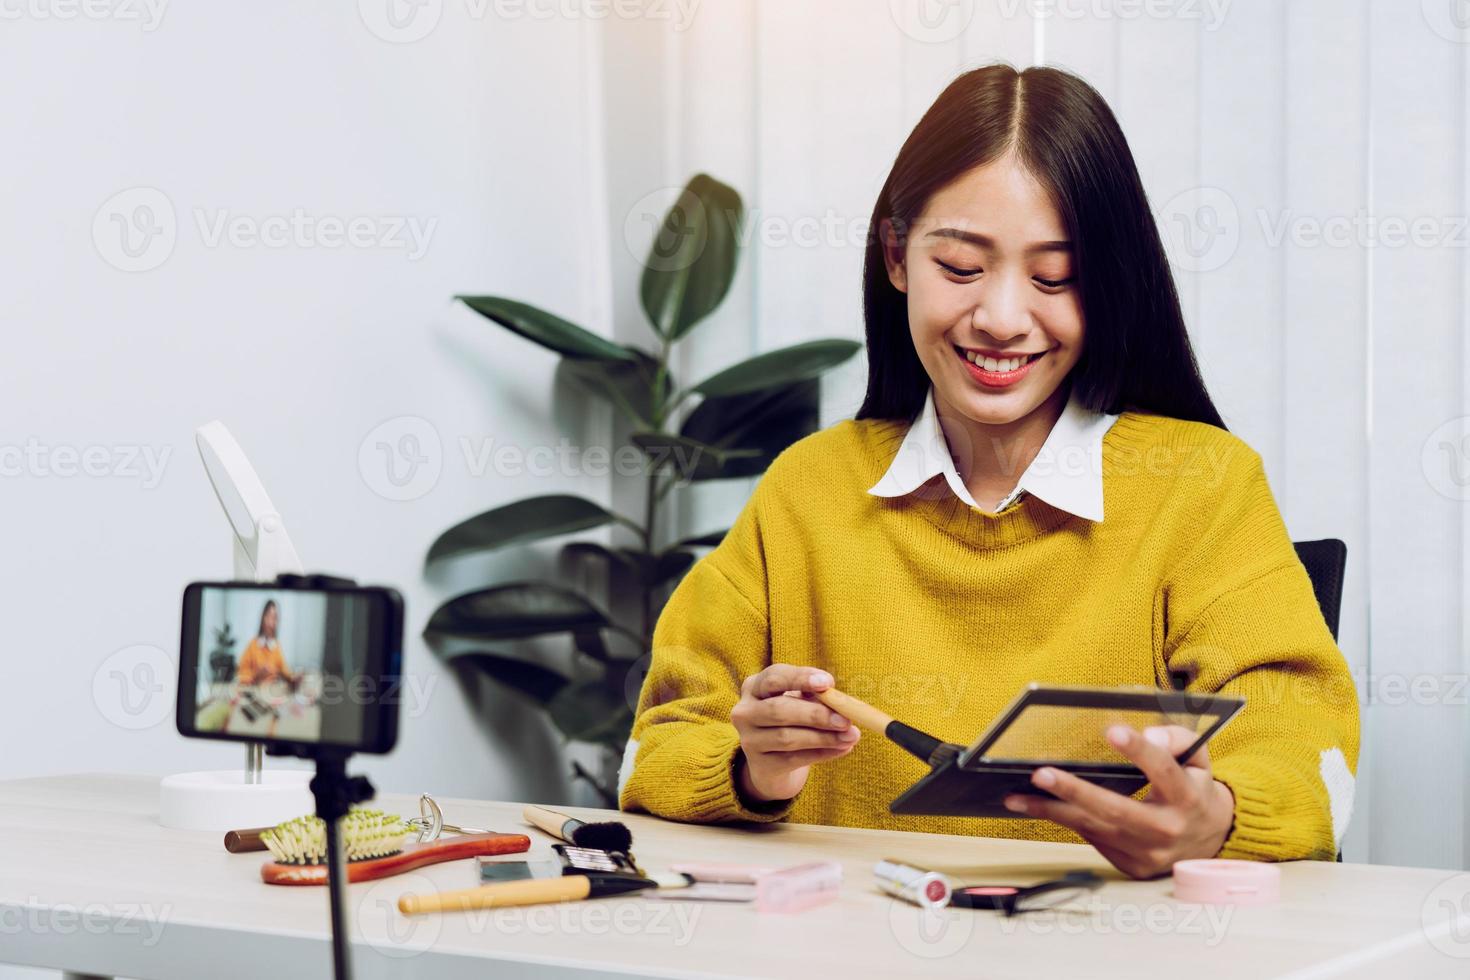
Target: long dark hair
(269, 605)
(1135, 353)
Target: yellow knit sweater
(938, 614)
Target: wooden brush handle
(242, 841)
(860, 713)
(412, 856)
(567, 888)
(547, 820)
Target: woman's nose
(1000, 312)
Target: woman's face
(268, 621)
(989, 273)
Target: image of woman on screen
(262, 660)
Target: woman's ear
(894, 250)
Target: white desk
(89, 882)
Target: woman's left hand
(1187, 813)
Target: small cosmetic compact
(1013, 899)
(1221, 881)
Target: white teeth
(994, 364)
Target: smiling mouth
(999, 364)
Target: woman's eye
(962, 273)
(1052, 283)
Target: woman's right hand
(782, 734)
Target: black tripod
(335, 793)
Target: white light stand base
(223, 800)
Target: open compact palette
(1064, 728)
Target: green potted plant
(745, 415)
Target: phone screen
(268, 664)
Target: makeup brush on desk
(607, 836)
(933, 751)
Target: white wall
(1258, 127)
(254, 110)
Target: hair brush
(373, 844)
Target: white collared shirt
(1066, 473)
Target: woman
(262, 660)
(1036, 488)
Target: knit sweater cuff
(1276, 816)
(709, 792)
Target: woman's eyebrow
(985, 241)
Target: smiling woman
(1029, 374)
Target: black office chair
(1325, 561)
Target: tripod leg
(337, 886)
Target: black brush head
(607, 836)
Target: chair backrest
(1325, 561)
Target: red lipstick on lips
(999, 379)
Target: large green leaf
(689, 459)
(546, 329)
(520, 523)
(512, 611)
(536, 682)
(709, 540)
(692, 261)
(588, 711)
(765, 421)
(649, 569)
(626, 384)
(778, 367)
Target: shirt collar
(1066, 473)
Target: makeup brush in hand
(921, 744)
(606, 836)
